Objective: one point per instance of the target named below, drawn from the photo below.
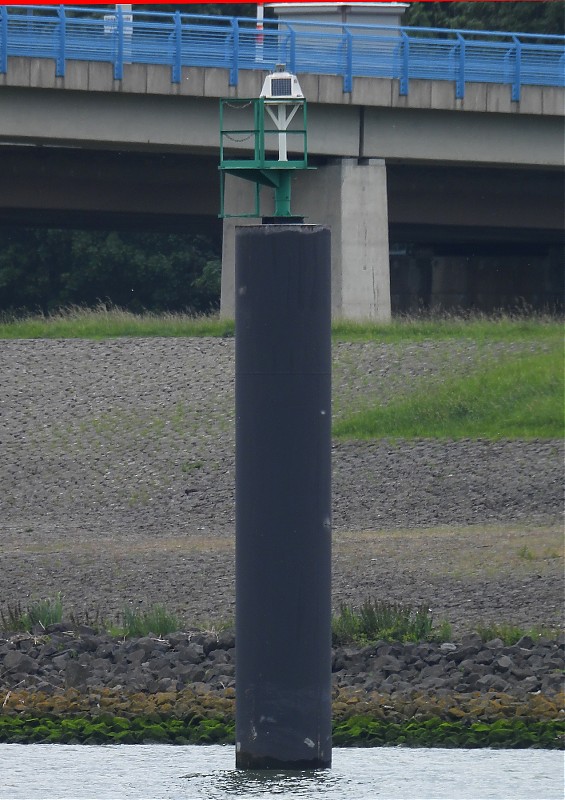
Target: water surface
(164, 772)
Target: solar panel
(281, 87)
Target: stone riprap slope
(117, 486)
(59, 659)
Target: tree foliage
(536, 16)
(522, 16)
(208, 9)
(47, 269)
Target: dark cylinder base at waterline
(283, 497)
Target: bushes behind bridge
(46, 269)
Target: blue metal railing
(92, 34)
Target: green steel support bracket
(257, 124)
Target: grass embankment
(107, 322)
(110, 323)
(518, 398)
(478, 327)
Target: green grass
(476, 326)
(394, 622)
(43, 613)
(510, 634)
(519, 398)
(46, 612)
(108, 323)
(105, 322)
(133, 623)
(156, 620)
(373, 621)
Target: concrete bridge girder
(88, 108)
(481, 161)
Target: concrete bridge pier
(349, 195)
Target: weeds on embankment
(130, 623)
(372, 621)
(375, 620)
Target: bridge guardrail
(235, 43)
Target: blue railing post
(60, 60)
(517, 82)
(3, 40)
(404, 73)
(460, 82)
(291, 66)
(348, 76)
(176, 71)
(119, 62)
(235, 55)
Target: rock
(485, 657)
(552, 683)
(97, 661)
(106, 650)
(152, 645)
(433, 670)
(491, 682)
(472, 640)
(432, 682)
(58, 627)
(494, 644)
(504, 663)
(86, 631)
(136, 657)
(89, 642)
(167, 685)
(531, 683)
(388, 665)
(473, 680)
(226, 640)
(191, 654)
(552, 662)
(60, 661)
(469, 665)
(14, 661)
(209, 643)
(466, 651)
(76, 675)
(219, 657)
(159, 663)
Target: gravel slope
(117, 476)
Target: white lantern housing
(281, 85)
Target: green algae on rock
(359, 719)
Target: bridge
(416, 134)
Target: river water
(164, 772)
